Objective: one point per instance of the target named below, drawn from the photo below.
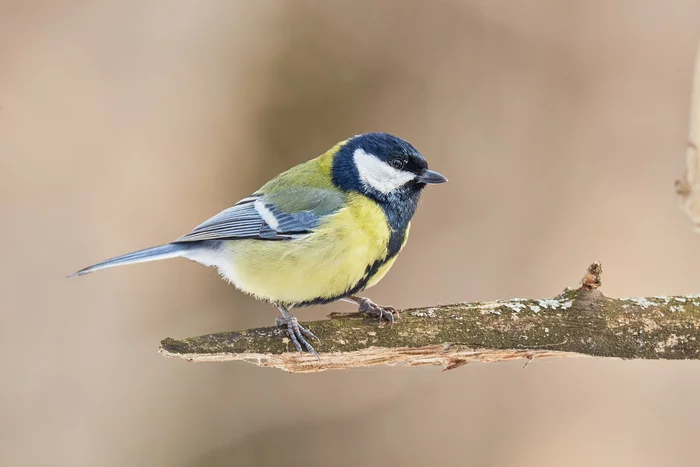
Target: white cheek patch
(378, 174)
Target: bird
(324, 230)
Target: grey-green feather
(282, 215)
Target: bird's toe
(298, 334)
(382, 312)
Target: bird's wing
(270, 216)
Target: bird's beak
(431, 177)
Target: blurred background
(123, 124)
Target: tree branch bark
(578, 322)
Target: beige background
(561, 125)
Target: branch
(688, 186)
(579, 322)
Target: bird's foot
(366, 305)
(298, 334)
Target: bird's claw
(388, 313)
(298, 334)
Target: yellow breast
(320, 266)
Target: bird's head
(383, 167)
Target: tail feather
(171, 250)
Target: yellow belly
(322, 265)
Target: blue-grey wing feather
(244, 220)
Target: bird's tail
(171, 250)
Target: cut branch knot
(591, 280)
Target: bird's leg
(296, 331)
(365, 305)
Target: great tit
(322, 231)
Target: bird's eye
(398, 164)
